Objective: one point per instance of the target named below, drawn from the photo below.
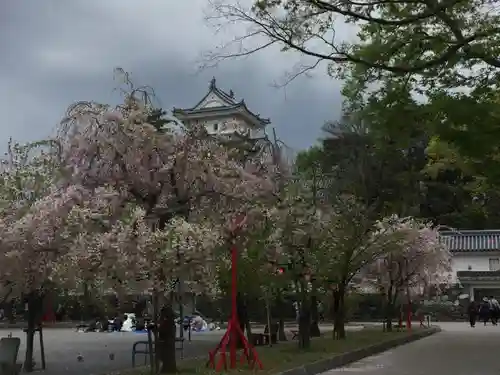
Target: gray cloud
(55, 52)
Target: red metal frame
(233, 332)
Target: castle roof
(471, 240)
(227, 105)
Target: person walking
(321, 311)
(297, 311)
(494, 310)
(472, 311)
(484, 310)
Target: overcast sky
(55, 52)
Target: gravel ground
(64, 345)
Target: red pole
(234, 281)
(234, 305)
(234, 333)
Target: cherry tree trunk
(339, 313)
(315, 332)
(10, 313)
(304, 320)
(389, 311)
(281, 330)
(390, 307)
(34, 302)
(86, 308)
(165, 353)
(165, 347)
(280, 308)
(241, 310)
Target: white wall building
(475, 261)
(221, 114)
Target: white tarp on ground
(128, 324)
(199, 324)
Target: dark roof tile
(478, 275)
(232, 105)
(471, 240)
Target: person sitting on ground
(104, 324)
(117, 324)
(92, 327)
(140, 325)
(199, 324)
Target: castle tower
(221, 114)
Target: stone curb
(344, 359)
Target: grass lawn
(286, 355)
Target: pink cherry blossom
(415, 259)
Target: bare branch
(298, 25)
(298, 71)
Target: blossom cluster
(115, 202)
(416, 256)
(121, 204)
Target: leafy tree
(407, 165)
(256, 269)
(308, 161)
(435, 49)
(157, 118)
(437, 40)
(377, 152)
(294, 222)
(28, 173)
(466, 129)
(312, 173)
(348, 242)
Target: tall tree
(468, 124)
(348, 242)
(27, 176)
(403, 161)
(436, 39)
(377, 150)
(435, 48)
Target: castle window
(216, 127)
(494, 264)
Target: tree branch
(295, 25)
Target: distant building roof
(228, 97)
(472, 240)
(479, 275)
(232, 106)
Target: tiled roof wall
(471, 240)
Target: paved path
(457, 350)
